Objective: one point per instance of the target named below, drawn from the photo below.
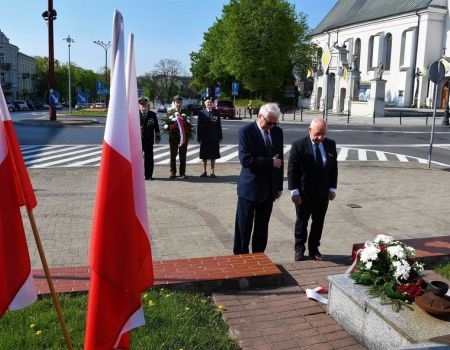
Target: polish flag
(17, 288)
(120, 252)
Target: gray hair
(270, 108)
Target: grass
(89, 112)
(443, 270)
(174, 320)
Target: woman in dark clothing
(209, 136)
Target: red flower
(173, 126)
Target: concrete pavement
(195, 217)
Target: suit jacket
(304, 174)
(258, 178)
(149, 126)
(209, 127)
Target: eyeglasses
(270, 123)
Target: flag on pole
(120, 252)
(344, 72)
(17, 288)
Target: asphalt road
(407, 140)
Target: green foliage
(174, 320)
(256, 42)
(444, 270)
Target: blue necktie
(318, 155)
(267, 142)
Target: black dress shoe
(213, 175)
(316, 256)
(203, 174)
(172, 176)
(299, 256)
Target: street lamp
(105, 46)
(69, 41)
(50, 16)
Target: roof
(347, 12)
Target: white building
(17, 72)
(405, 36)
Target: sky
(162, 28)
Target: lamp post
(105, 46)
(69, 41)
(50, 16)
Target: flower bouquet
(178, 125)
(390, 269)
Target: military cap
(143, 99)
(177, 98)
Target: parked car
(164, 108)
(194, 108)
(81, 105)
(38, 105)
(100, 105)
(31, 106)
(11, 107)
(21, 105)
(226, 109)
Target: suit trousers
(315, 209)
(176, 149)
(252, 215)
(147, 148)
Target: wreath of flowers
(170, 125)
(390, 269)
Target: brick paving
(195, 218)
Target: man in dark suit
(261, 179)
(149, 134)
(312, 180)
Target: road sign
(235, 88)
(436, 72)
(217, 91)
(53, 98)
(326, 58)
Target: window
(370, 54)
(388, 52)
(357, 54)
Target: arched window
(388, 51)
(357, 54)
(370, 54)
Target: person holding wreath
(209, 136)
(178, 126)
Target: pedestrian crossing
(49, 156)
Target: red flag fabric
(120, 253)
(16, 283)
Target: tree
(164, 80)
(257, 42)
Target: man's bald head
(317, 130)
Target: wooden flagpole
(49, 280)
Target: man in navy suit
(261, 179)
(312, 180)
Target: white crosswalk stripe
(45, 156)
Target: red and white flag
(17, 288)
(120, 252)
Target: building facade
(392, 41)
(17, 72)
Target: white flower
(402, 269)
(396, 251)
(410, 251)
(369, 253)
(188, 120)
(166, 126)
(368, 265)
(383, 238)
(174, 119)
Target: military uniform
(149, 132)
